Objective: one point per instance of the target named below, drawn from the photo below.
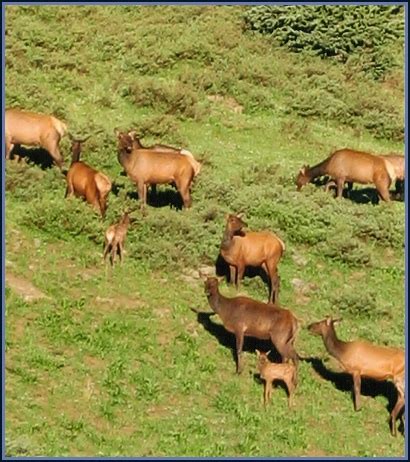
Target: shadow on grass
(155, 198)
(36, 156)
(369, 387)
(363, 195)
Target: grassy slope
(118, 364)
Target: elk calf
(286, 372)
(363, 359)
(84, 181)
(115, 238)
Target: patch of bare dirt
(93, 362)
(19, 328)
(24, 288)
(162, 312)
(303, 290)
(228, 102)
(192, 276)
(120, 301)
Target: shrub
(335, 31)
(172, 97)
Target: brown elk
(32, 129)
(84, 181)
(165, 148)
(347, 165)
(268, 371)
(115, 238)
(363, 359)
(245, 317)
(259, 249)
(146, 167)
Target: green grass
(117, 362)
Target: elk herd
(240, 248)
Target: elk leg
(120, 251)
(382, 183)
(103, 205)
(398, 407)
(106, 250)
(239, 346)
(69, 191)
(291, 388)
(272, 273)
(339, 184)
(232, 274)
(274, 291)
(184, 188)
(393, 416)
(114, 249)
(51, 145)
(239, 275)
(9, 148)
(288, 352)
(142, 189)
(356, 390)
(329, 184)
(268, 392)
(384, 193)
(186, 197)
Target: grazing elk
(259, 249)
(268, 371)
(351, 166)
(32, 129)
(115, 238)
(146, 167)
(363, 359)
(245, 317)
(84, 181)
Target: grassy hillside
(110, 363)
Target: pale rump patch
(103, 183)
(61, 127)
(390, 170)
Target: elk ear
(328, 320)
(258, 353)
(240, 215)
(268, 352)
(117, 133)
(220, 279)
(133, 134)
(336, 321)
